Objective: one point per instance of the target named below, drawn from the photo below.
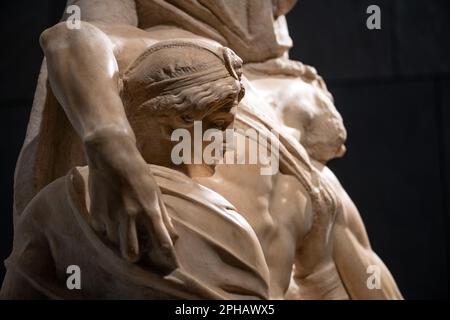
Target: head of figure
(311, 110)
(175, 83)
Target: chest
(275, 206)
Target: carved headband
(152, 74)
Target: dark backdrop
(392, 86)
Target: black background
(392, 87)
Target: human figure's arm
(333, 259)
(83, 75)
(353, 254)
(315, 275)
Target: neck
(155, 150)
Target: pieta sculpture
(101, 184)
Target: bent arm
(343, 267)
(83, 75)
(315, 275)
(355, 260)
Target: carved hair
(181, 81)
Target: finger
(162, 253)
(129, 244)
(167, 220)
(100, 214)
(97, 225)
(165, 215)
(112, 231)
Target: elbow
(57, 33)
(60, 36)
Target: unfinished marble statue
(96, 184)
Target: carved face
(311, 111)
(220, 115)
(209, 111)
(177, 85)
(210, 106)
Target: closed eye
(187, 119)
(219, 123)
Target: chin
(341, 151)
(207, 171)
(324, 154)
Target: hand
(126, 204)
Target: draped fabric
(249, 27)
(224, 244)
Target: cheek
(166, 131)
(298, 115)
(336, 124)
(325, 132)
